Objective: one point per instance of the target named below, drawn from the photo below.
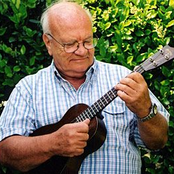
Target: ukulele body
(71, 165)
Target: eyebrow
(90, 37)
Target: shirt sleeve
(17, 116)
(134, 126)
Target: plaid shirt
(44, 98)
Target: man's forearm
(24, 153)
(154, 132)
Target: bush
(129, 32)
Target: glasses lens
(70, 48)
(90, 44)
(95, 40)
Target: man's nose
(81, 50)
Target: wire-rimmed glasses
(72, 47)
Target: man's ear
(47, 43)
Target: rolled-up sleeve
(17, 116)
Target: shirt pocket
(115, 116)
(115, 109)
(116, 122)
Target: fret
(99, 105)
(83, 117)
(92, 110)
(114, 91)
(100, 101)
(85, 113)
(104, 100)
(95, 108)
(89, 113)
(78, 119)
(108, 95)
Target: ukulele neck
(159, 58)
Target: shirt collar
(89, 74)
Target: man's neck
(76, 82)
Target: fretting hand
(134, 91)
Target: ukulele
(97, 129)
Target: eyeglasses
(72, 47)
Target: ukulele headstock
(162, 56)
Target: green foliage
(21, 47)
(129, 31)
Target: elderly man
(75, 76)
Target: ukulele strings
(100, 104)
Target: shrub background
(129, 32)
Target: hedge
(129, 31)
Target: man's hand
(71, 139)
(134, 91)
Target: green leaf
(107, 25)
(16, 68)
(127, 37)
(165, 82)
(29, 31)
(171, 23)
(165, 100)
(8, 71)
(2, 63)
(139, 33)
(4, 169)
(15, 18)
(152, 14)
(141, 57)
(8, 82)
(171, 3)
(31, 3)
(12, 39)
(2, 31)
(166, 71)
(18, 2)
(32, 61)
(124, 14)
(157, 85)
(171, 168)
(113, 48)
(127, 23)
(148, 32)
(118, 37)
(34, 21)
(168, 15)
(105, 15)
(23, 49)
(130, 59)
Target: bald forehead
(66, 6)
(67, 11)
